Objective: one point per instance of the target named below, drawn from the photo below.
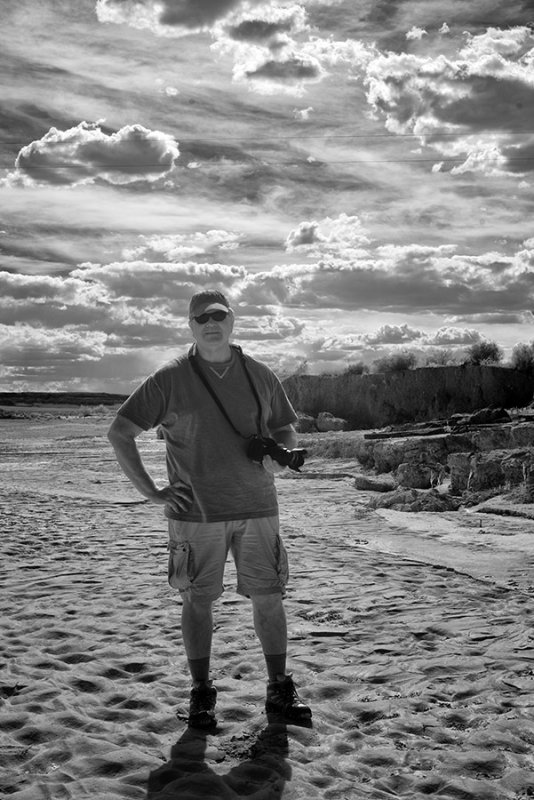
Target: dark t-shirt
(202, 449)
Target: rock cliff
(377, 400)
(421, 469)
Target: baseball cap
(208, 300)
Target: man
(209, 405)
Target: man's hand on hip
(177, 495)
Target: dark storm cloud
(259, 30)
(391, 18)
(287, 70)
(188, 15)
(195, 13)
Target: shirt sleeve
(146, 406)
(282, 412)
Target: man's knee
(267, 602)
(192, 604)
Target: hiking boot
(283, 700)
(202, 706)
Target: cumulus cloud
(270, 48)
(416, 33)
(141, 303)
(85, 154)
(393, 334)
(306, 234)
(179, 246)
(45, 288)
(273, 45)
(319, 352)
(397, 278)
(474, 109)
(273, 327)
(163, 285)
(53, 302)
(296, 62)
(405, 334)
(343, 237)
(303, 114)
(29, 345)
(453, 336)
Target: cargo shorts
(198, 553)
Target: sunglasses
(218, 316)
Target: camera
(260, 446)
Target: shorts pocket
(180, 566)
(282, 564)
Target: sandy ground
(410, 636)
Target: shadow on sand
(186, 775)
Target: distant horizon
(123, 394)
(356, 178)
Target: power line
(307, 137)
(310, 161)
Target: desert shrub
(440, 357)
(95, 411)
(523, 357)
(358, 368)
(395, 362)
(484, 353)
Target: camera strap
(196, 367)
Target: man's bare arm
(122, 435)
(286, 436)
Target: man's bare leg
(271, 629)
(197, 632)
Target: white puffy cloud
(270, 48)
(287, 314)
(392, 277)
(343, 237)
(340, 52)
(46, 288)
(405, 334)
(177, 247)
(303, 114)
(307, 233)
(486, 48)
(86, 153)
(393, 334)
(292, 63)
(453, 336)
(26, 345)
(273, 327)
(163, 285)
(474, 109)
(416, 33)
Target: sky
(355, 175)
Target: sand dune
(420, 675)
